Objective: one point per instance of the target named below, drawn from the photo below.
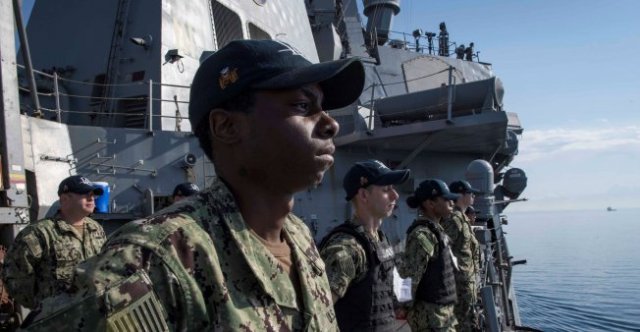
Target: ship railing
(408, 41)
(55, 86)
(442, 109)
(420, 44)
(372, 120)
(141, 115)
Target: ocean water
(582, 271)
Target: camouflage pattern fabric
(422, 246)
(423, 316)
(463, 243)
(195, 266)
(464, 309)
(41, 259)
(345, 261)
(465, 247)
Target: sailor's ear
(362, 194)
(227, 127)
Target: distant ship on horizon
(610, 209)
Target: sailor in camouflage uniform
(42, 257)
(428, 260)
(466, 249)
(233, 257)
(357, 254)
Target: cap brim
(88, 189)
(393, 177)
(475, 191)
(451, 197)
(341, 81)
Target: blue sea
(582, 271)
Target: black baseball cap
(371, 172)
(186, 189)
(432, 188)
(78, 185)
(462, 187)
(269, 64)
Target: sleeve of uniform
(110, 290)
(418, 250)
(453, 227)
(128, 286)
(99, 237)
(345, 262)
(19, 269)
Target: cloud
(580, 168)
(536, 145)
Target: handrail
(421, 49)
(407, 81)
(102, 84)
(56, 94)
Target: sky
(570, 72)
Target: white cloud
(551, 143)
(580, 168)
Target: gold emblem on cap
(363, 181)
(227, 77)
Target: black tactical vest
(368, 304)
(438, 283)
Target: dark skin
(436, 209)
(283, 145)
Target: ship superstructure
(112, 81)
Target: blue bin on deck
(102, 201)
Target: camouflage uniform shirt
(422, 246)
(345, 260)
(463, 243)
(41, 260)
(465, 248)
(195, 266)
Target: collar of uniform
(423, 219)
(458, 213)
(65, 226)
(360, 228)
(264, 266)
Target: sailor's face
(381, 200)
(72, 203)
(443, 207)
(290, 139)
(468, 198)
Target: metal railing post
(450, 98)
(150, 107)
(26, 55)
(371, 105)
(56, 92)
